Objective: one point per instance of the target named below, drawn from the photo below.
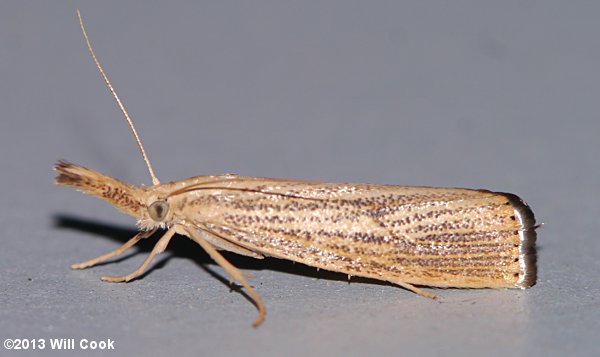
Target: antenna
(155, 180)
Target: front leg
(130, 243)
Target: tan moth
(437, 237)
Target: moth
(408, 236)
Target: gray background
(498, 95)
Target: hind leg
(234, 273)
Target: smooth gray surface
(498, 95)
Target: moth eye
(158, 210)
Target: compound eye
(158, 210)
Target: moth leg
(415, 290)
(130, 243)
(234, 273)
(160, 247)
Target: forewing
(436, 236)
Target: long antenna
(155, 180)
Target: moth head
(126, 197)
(157, 211)
(144, 203)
